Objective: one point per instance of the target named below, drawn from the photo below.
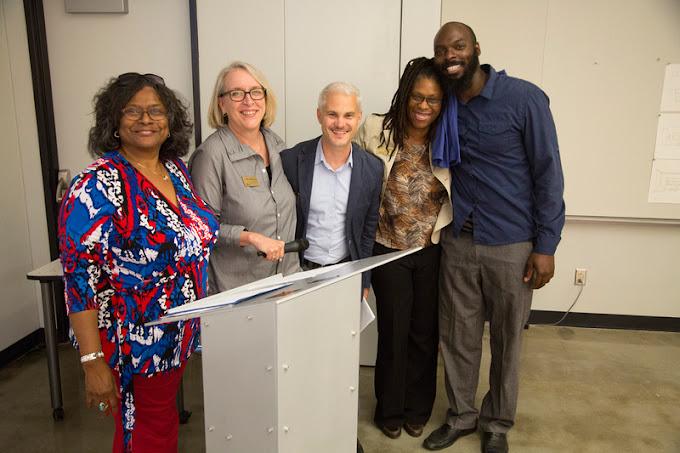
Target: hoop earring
(115, 134)
(168, 135)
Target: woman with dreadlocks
(415, 206)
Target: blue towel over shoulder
(446, 148)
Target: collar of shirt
(321, 159)
(236, 150)
(488, 90)
(326, 221)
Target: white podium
(281, 366)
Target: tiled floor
(582, 390)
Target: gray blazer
(363, 202)
(232, 179)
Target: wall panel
(357, 43)
(251, 31)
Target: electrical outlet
(580, 276)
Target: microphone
(297, 245)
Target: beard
(462, 83)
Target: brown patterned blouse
(411, 202)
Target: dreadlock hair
(396, 119)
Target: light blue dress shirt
(326, 230)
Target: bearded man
(507, 194)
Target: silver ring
(103, 406)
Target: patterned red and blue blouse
(131, 254)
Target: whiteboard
(602, 64)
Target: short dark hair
(469, 30)
(454, 24)
(112, 98)
(396, 119)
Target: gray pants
(479, 282)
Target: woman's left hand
(100, 386)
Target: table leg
(51, 348)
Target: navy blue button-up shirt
(510, 176)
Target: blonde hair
(339, 87)
(215, 116)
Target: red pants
(156, 417)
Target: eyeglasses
(432, 102)
(136, 113)
(238, 95)
(131, 76)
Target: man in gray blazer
(337, 185)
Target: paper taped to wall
(664, 185)
(668, 136)
(670, 98)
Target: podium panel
(318, 355)
(239, 380)
(281, 374)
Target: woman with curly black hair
(134, 242)
(109, 108)
(414, 207)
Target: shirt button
(278, 214)
(264, 170)
(272, 192)
(278, 237)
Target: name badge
(250, 181)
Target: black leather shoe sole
(445, 436)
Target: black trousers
(406, 367)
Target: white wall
(86, 50)
(418, 19)
(356, 43)
(302, 45)
(252, 32)
(23, 243)
(632, 268)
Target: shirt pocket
(495, 137)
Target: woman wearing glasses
(415, 206)
(134, 241)
(237, 171)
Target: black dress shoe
(360, 449)
(494, 443)
(445, 436)
(390, 432)
(413, 429)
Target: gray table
(48, 275)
